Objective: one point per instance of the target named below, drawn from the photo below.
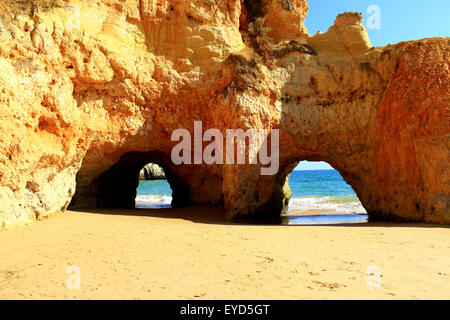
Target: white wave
(327, 205)
(324, 205)
(153, 201)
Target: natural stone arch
(377, 114)
(116, 187)
(266, 198)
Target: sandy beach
(193, 254)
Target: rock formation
(91, 91)
(152, 172)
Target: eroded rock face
(91, 91)
(152, 171)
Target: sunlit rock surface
(91, 91)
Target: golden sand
(193, 254)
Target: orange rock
(90, 93)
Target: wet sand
(193, 254)
(313, 212)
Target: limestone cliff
(90, 92)
(152, 172)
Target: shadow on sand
(215, 215)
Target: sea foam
(153, 201)
(326, 205)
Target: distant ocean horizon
(321, 192)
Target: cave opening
(153, 191)
(118, 187)
(320, 195)
(149, 180)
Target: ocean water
(324, 192)
(317, 193)
(153, 194)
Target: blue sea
(319, 193)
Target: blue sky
(400, 20)
(306, 165)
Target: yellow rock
(90, 92)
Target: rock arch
(116, 91)
(116, 187)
